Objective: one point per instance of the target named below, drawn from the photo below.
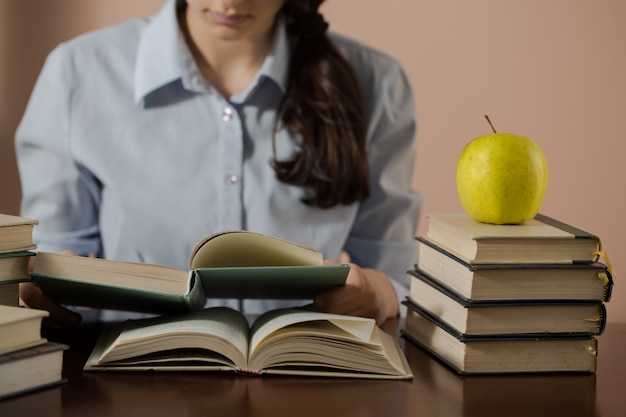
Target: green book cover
(235, 264)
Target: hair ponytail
(323, 105)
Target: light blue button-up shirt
(125, 150)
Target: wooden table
(434, 391)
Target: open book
(284, 341)
(231, 264)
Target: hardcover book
(14, 266)
(540, 240)
(31, 369)
(285, 341)
(520, 281)
(501, 355)
(20, 328)
(508, 318)
(232, 264)
(16, 233)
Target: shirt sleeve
(55, 190)
(383, 234)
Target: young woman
(142, 138)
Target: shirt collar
(163, 56)
(159, 52)
(275, 66)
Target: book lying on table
(540, 240)
(20, 328)
(16, 233)
(497, 318)
(493, 355)
(588, 281)
(31, 369)
(232, 264)
(285, 341)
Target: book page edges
(126, 274)
(10, 314)
(18, 249)
(23, 346)
(338, 374)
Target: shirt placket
(231, 155)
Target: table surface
(435, 390)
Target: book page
(308, 343)
(220, 329)
(358, 327)
(244, 248)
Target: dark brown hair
(323, 105)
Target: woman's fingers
(31, 296)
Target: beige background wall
(552, 70)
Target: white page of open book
(167, 332)
(359, 327)
(242, 248)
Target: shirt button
(227, 114)
(232, 179)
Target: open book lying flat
(284, 341)
(232, 264)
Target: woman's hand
(367, 293)
(31, 296)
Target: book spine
(578, 233)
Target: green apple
(502, 178)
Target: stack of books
(16, 243)
(508, 298)
(28, 362)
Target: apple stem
(489, 121)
